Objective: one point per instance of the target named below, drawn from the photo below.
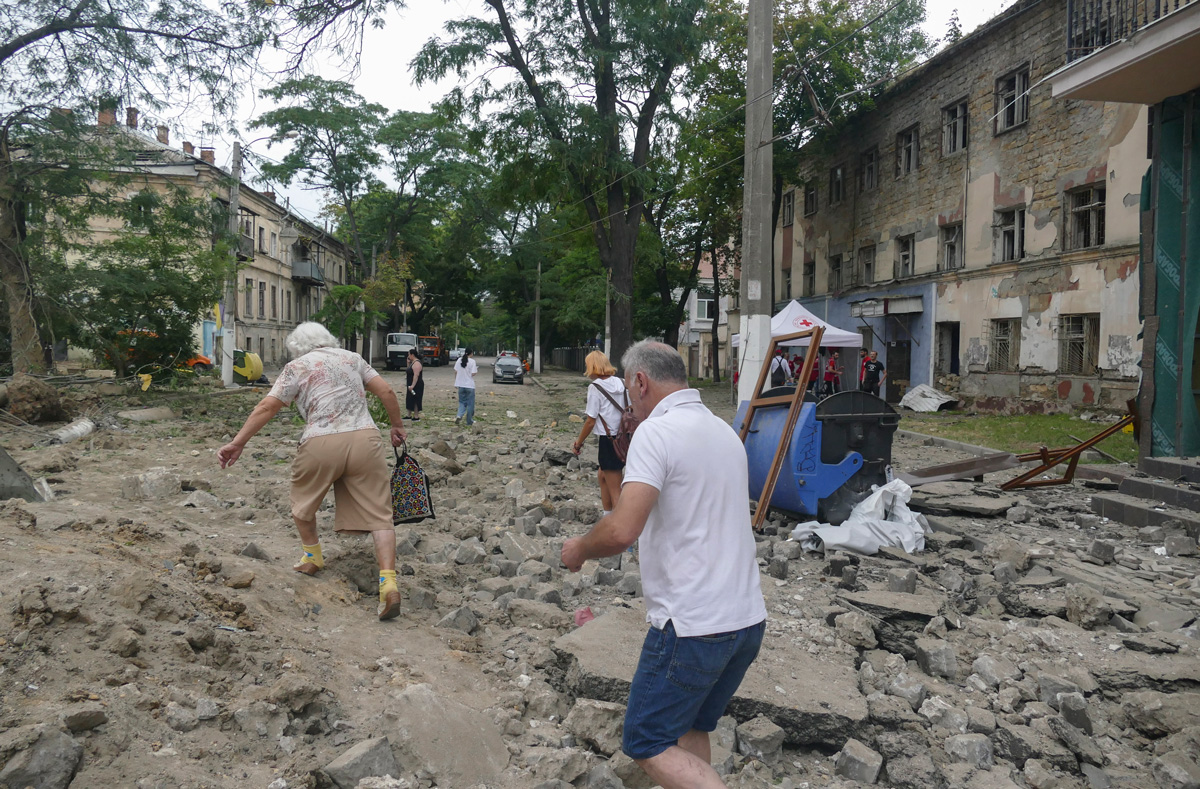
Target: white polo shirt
(697, 551)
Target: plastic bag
(881, 519)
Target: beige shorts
(355, 464)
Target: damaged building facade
(980, 234)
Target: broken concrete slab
(814, 701)
(367, 759)
(14, 482)
(902, 617)
(147, 414)
(431, 730)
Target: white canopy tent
(794, 318)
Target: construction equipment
(814, 459)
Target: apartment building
(285, 262)
(980, 234)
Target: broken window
(262, 299)
(1078, 344)
(249, 297)
(1004, 349)
(835, 273)
(1012, 99)
(952, 248)
(868, 170)
(788, 208)
(837, 184)
(908, 150)
(274, 303)
(905, 249)
(866, 264)
(810, 279)
(1086, 217)
(810, 200)
(954, 127)
(787, 283)
(1010, 235)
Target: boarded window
(1078, 344)
(1004, 347)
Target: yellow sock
(312, 555)
(387, 583)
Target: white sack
(881, 519)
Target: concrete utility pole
(228, 320)
(757, 246)
(537, 323)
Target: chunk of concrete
(857, 762)
(157, 483)
(901, 618)
(759, 738)
(973, 749)
(147, 414)
(367, 759)
(459, 745)
(462, 619)
(597, 724)
(902, 580)
(45, 758)
(937, 658)
(815, 701)
(14, 482)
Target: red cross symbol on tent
(802, 322)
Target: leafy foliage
(343, 312)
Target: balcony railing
(1094, 24)
(307, 272)
(245, 250)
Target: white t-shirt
(599, 407)
(327, 386)
(465, 378)
(699, 568)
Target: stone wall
(1063, 145)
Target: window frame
(1094, 210)
(704, 298)
(956, 128)
(1019, 93)
(906, 255)
(274, 302)
(809, 283)
(868, 169)
(1006, 231)
(262, 299)
(249, 296)
(908, 150)
(810, 191)
(861, 267)
(944, 242)
(836, 265)
(1086, 335)
(1013, 355)
(287, 298)
(787, 208)
(837, 183)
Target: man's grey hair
(309, 336)
(658, 361)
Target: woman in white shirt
(340, 446)
(606, 398)
(464, 380)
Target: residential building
(1148, 53)
(285, 262)
(695, 333)
(981, 235)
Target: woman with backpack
(606, 403)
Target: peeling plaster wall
(1062, 146)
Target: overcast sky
(384, 76)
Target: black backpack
(778, 376)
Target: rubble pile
(157, 636)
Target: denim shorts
(683, 684)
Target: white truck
(398, 346)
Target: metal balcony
(1094, 24)
(245, 248)
(307, 272)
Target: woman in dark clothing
(414, 391)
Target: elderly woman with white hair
(340, 446)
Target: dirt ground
(158, 637)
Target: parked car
(508, 368)
(433, 351)
(454, 354)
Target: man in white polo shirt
(684, 500)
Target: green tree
(590, 78)
(333, 150)
(134, 299)
(344, 314)
(59, 60)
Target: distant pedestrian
(779, 369)
(464, 380)
(863, 355)
(691, 519)
(340, 446)
(606, 402)
(874, 374)
(832, 371)
(414, 393)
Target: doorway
(899, 363)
